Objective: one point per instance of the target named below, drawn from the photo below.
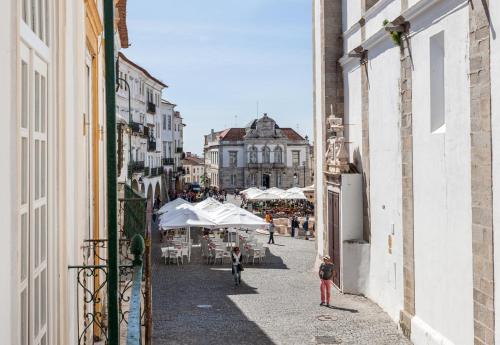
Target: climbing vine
(395, 36)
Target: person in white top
(236, 267)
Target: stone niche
(337, 156)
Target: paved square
(277, 303)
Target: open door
(334, 233)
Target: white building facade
(142, 141)
(411, 83)
(260, 155)
(52, 63)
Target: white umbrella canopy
(209, 204)
(172, 205)
(294, 190)
(294, 196)
(185, 218)
(241, 218)
(277, 191)
(250, 192)
(263, 196)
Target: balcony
(147, 171)
(168, 161)
(179, 149)
(135, 167)
(151, 144)
(136, 127)
(145, 131)
(156, 171)
(279, 165)
(91, 276)
(151, 108)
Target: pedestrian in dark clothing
(305, 226)
(237, 266)
(292, 224)
(272, 228)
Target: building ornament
(337, 156)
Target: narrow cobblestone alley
(278, 303)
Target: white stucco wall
(495, 103)
(442, 186)
(386, 269)
(318, 129)
(8, 285)
(352, 109)
(376, 16)
(242, 159)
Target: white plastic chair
(164, 254)
(219, 254)
(185, 253)
(175, 254)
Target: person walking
(293, 225)
(305, 227)
(326, 272)
(272, 228)
(237, 267)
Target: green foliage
(395, 36)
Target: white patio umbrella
(294, 190)
(185, 218)
(294, 196)
(241, 218)
(264, 196)
(172, 205)
(209, 204)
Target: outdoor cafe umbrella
(241, 218)
(209, 204)
(170, 206)
(186, 218)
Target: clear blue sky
(221, 57)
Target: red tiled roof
(292, 134)
(233, 134)
(192, 161)
(143, 70)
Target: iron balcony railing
(147, 171)
(178, 149)
(151, 108)
(135, 167)
(151, 145)
(156, 171)
(91, 279)
(136, 127)
(168, 161)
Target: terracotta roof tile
(233, 134)
(292, 134)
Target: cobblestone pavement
(277, 303)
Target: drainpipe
(109, 49)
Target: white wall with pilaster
(386, 264)
(442, 188)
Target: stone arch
(150, 194)
(135, 186)
(278, 154)
(157, 190)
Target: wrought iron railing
(178, 149)
(91, 279)
(151, 108)
(168, 161)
